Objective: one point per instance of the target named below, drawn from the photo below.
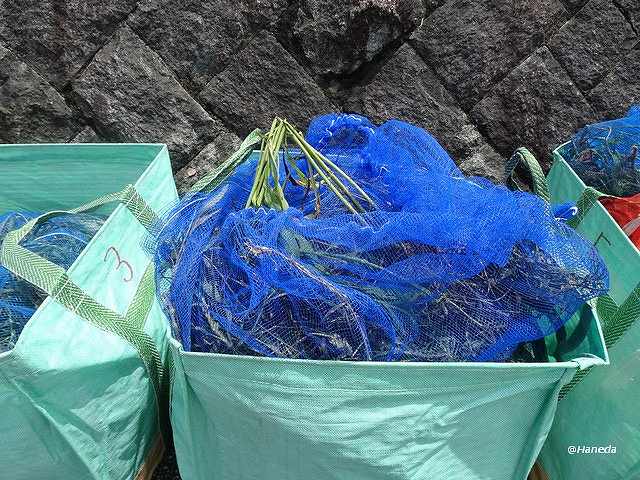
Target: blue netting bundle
(605, 155)
(444, 268)
(60, 240)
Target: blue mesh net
(605, 155)
(445, 268)
(59, 240)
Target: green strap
(142, 301)
(131, 199)
(577, 378)
(586, 201)
(222, 171)
(53, 280)
(524, 157)
(616, 320)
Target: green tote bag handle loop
(587, 200)
(524, 157)
(539, 186)
(54, 281)
(222, 171)
(131, 199)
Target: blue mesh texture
(605, 155)
(60, 240)
(445, 268)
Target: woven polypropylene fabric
(444, 268)
(59, 240)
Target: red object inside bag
(626, 211)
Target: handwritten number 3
(120, 263)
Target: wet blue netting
(445, 268)
(605, 155)
(59, 240)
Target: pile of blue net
(605, 155)
(445, 268)
(59, 240)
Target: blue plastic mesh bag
(605, 155)
(445, 268)
(59, 240)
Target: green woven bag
(599, 408)
(239, 417)
(83, 391)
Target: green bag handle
(616, 319)
(222, 171)
(54, 281)
(587, 200)
(524, 157)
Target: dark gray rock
(210, 156)
(536, 106)
(407, 89)
(198, 38)
(573, 6)
(484, 161)
(132, 96)
(619, 89)
(264, 81)
(266, 14)
(591, 43)
(631, 11)
(431, 5)
(472, 44)
(338, 37)
(86, 135)
(58, 37)
(31, 111)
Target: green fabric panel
(601, 410)
(584, 336)
(620, 255)
(63, 176)
(564, 185)
(77, 401)
(251, 417)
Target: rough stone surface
(338, 37)
(210, 156)
(264, 81)
(198, 38)
(483, 160)
(132, 96)
(86, 135)
(392, 93)
(618, 90)
(591, 43)
(58, 37)
(472, 44)
(574, 5)
(31, 110)
(200, 74)
(537, 105)
(631, 10)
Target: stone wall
(485, 76)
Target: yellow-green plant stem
(302, 142)
(266, 188)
